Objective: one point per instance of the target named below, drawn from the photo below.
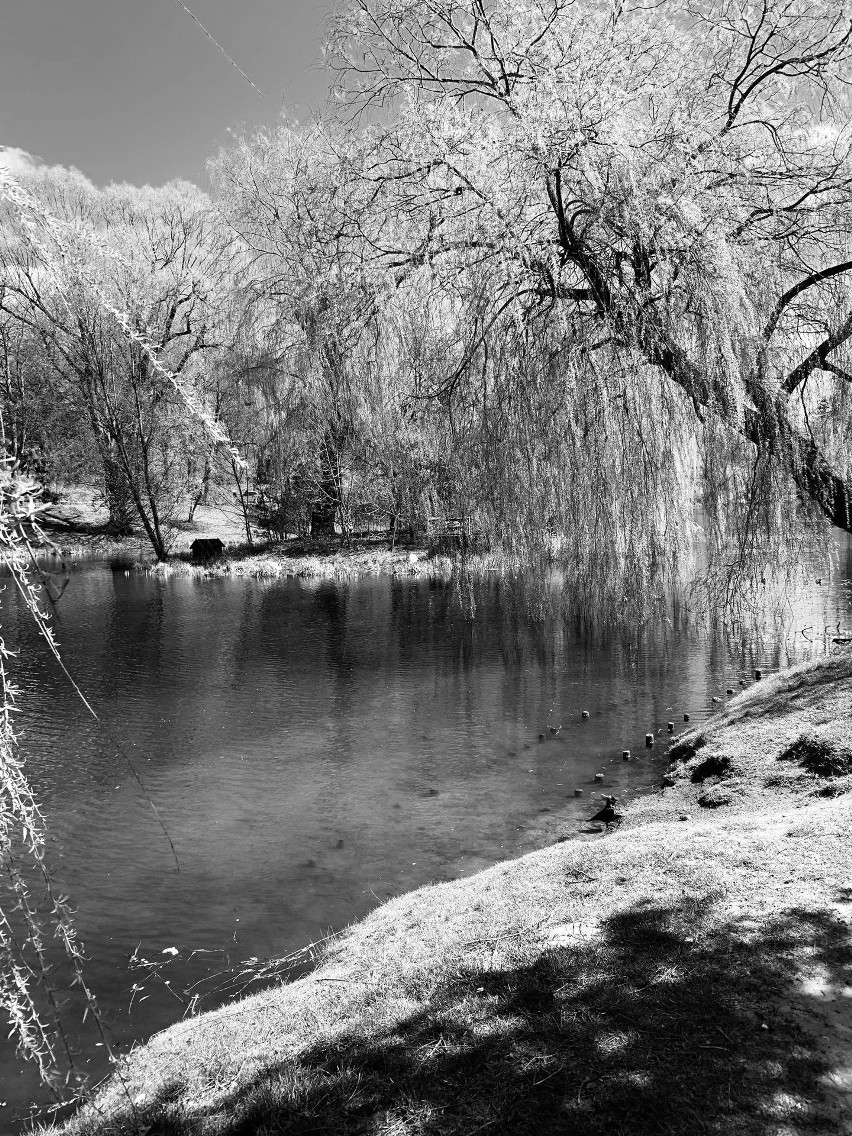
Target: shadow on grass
(665, 1023)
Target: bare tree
(149, 254)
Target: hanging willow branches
(644, 214)
(35, 912)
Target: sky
(133, 90)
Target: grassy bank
(327, 561)
(689, 972)
(275, 560)
(76, 528)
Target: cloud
(18, 161)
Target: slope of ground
(77, 524)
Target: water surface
(313, 748)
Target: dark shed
(206, 548)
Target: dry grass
(298, 559)
(689, 973)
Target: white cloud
(18, 161)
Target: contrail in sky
(218, 45)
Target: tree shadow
(660, 1024)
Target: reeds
(341, 566)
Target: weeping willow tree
(309, 304)
(639, 222)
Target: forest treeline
(575, 272)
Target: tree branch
(797, 289)
(818, 357)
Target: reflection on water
(314, 748)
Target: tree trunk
(244, 505)
(325, 508)
(202, 494)
(322, 517)
(767, 423)
(118, 497)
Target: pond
(313, 748)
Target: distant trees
(346, 349)
(38, 430)
(150, 255)
(310, 305)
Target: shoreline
(325, 562)
(279, 559)
(693, 964)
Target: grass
(323, 561)
(691, 972)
